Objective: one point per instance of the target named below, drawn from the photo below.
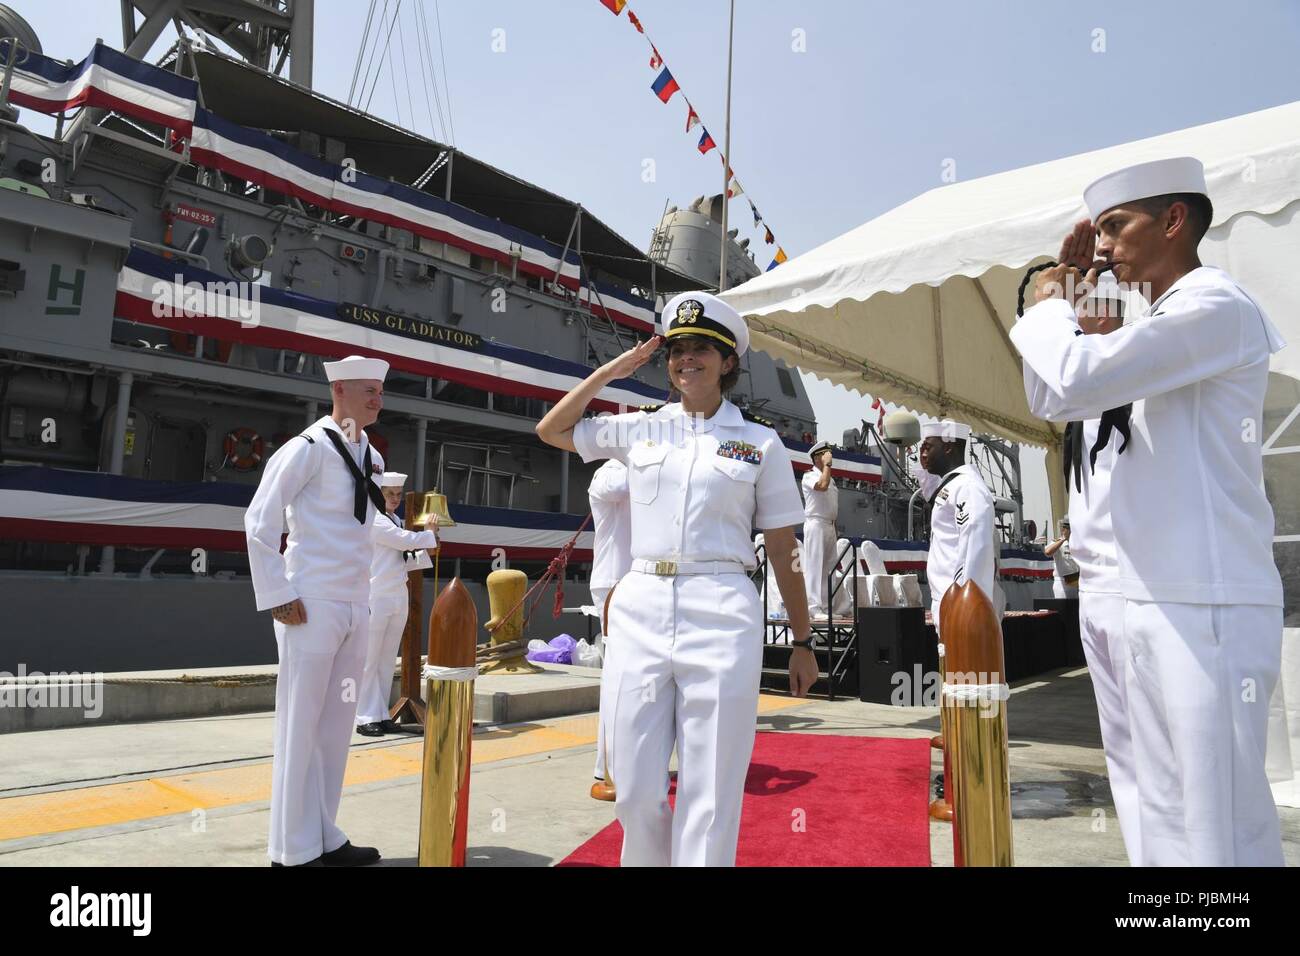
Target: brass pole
(448, 727)
(975, 730)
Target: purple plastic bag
(561, 651)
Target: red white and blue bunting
(107, 79)
(169, 294)
(264, 160)
(75, 507)
(112, 80)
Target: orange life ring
(234, 443)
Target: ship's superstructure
(169, 287)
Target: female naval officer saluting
(687, 619)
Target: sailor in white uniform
(1065, 570)
(1092, 449)
(611, 557)
(1203, 631)
(396, 553)
(963, 524)
(320, 484)
(821, 506)
(687, 621)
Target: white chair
(871, 557)
(880, 590)
(908, 589)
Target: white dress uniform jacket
(1191, 519)
(963, 540)
(396, 552)
(308, 488)
(327, 565)
(820, 509)
(1193, 532)
(688, 645)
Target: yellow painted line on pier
(108, 804)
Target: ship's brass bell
(434, 504)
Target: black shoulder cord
(1024, 284)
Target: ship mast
(252, 28)
(726, 158)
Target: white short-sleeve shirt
(697, 487)
(819, 504)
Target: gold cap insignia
(690, 311)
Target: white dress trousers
(818, 560)
(387, 623)
(1101, 627)
(1199, 685)
(315, 702)
(598, 596)
(688, 661)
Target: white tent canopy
(914, 306)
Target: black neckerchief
(406, 555)
(1114, 419)
(365, 488)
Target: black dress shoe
(315, 862)
(370, 730)
(390, 726)
(349, 855)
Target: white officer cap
(356, 367)
(945, 430)
(702, 313)
(1182, 174)
(819, 447)
(393, 479)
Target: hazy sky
(841, 110)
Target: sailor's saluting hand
(633, 358)
(1076, 274)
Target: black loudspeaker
(898, 657)
(1068, 610)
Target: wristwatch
(808, 643)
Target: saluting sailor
(963, 525)
(686, 620)
(821, 506)
(611, 519)
(321, 485)
(395, 553)
(1204, 632)
(1091, 449)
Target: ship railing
(836, 637)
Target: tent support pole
(937, 312)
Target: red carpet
(864, 802)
